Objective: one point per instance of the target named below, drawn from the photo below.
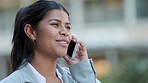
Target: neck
(45, 66)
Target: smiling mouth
(62, 42)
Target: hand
(81, 54)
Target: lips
(63, 42)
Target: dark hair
(23, 46)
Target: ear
(30, 32)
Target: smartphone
(72, 49)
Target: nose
(64, 32)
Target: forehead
(57, 14)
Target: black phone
(72, 49)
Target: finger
(70, 61)
(76, 39)
(67, 58)
(82, 46)
(73, 37)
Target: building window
(7, 14)
(141, 6)
(103, 11)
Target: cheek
(70, 36)
(48, 32)
(45, 37)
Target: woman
(41, 35)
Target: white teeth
(64, 42)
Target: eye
(55, 25)
(68, 27)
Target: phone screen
(71, 48)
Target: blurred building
(107, 27)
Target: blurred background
(114, 31)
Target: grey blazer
(82, 72)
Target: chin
(62, 54)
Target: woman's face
(53, 35)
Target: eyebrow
(58, 21)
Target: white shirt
(42, 79)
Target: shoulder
(66, 70)
(23, 74)
(66, 75)
(63, 70)
(13, 78)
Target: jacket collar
(29, 76)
